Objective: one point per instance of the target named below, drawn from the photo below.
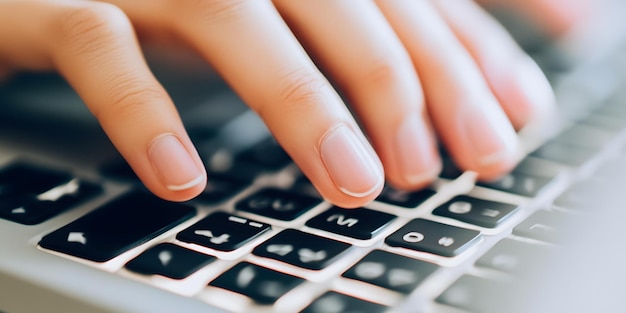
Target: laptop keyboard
(260, 238)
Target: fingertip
(175, 172)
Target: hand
(409, 69)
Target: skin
(414, 72)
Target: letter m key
(341, 220)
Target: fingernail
(491, 136)
(415, 150)
(173, 164)
(353, 167)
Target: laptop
(78, 232)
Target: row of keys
(31, 195)
(135, 218)
(265, 286)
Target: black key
(31, 209)
(301, 249)
(564, 153)
(429, 236)
(476, 211)
(515, 257)
(480, 295)
(334, 302)
(407, 199)
(450, 170)
(219, 190)
(584, 136)
(261, 284)
(519, 184)
(117, 226)
(592, 193)
(169, 260)
(543, 225)
(222, 231)
(391, 271)
(266, 154)
(358, 223)
(22, 178)
(279, 204)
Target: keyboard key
(261, 284)
(406, 199)
(21, 178)
(117, 226)
(278, 204)
(218, 190)
(519, 184)
(480, 295)
(266, 154)
(169, 260)
(334, 302)
(391, 271)
(515, 257)
(564, 153)
(222, 231)
(479, 212)
(433, 237)
(301, 249)
(358, 223)
(543, 226)
(31, 209)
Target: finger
(516, 80)
(253, 49)
(93, 46)
(556, 17)
(467, 116)
(359, 50)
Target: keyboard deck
(260, 239)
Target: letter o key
(413, 237)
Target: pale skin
(409, 68)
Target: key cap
(433, 237)
(219, 190)
(543, 226)
(301, 249)
(31, 209)
(515, 257)
(266, 154)
(22, 178)
(169, 260)
(261, 284)
(334, 302)
(279, 204)
(358, 223)
(519, 184)
(476, 294)
(564, 153)
(391, 271)
(475, 211)
(117, 226)
(222, 231)
(406, 199)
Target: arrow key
(222, 231)
(169, 260)
(391, 271)
(301, 249)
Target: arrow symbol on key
(77, 237)
(281, 250)
(19, 210)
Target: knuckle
(129, 97)
(300, 90)
(382, 72)
(211, 8)
(88, 26)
